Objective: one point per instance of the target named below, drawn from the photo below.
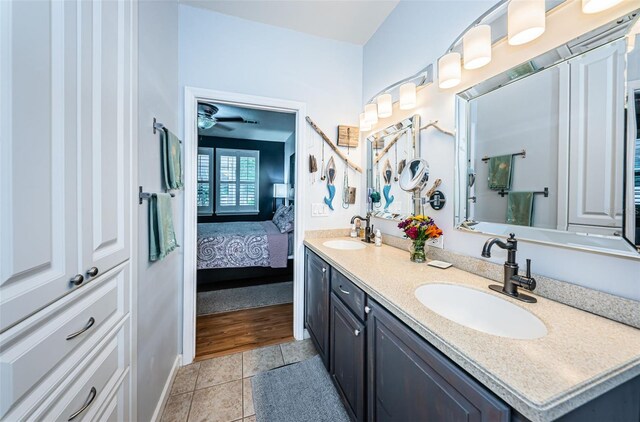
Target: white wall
(159, 284)
(230, 54)
(417, 33)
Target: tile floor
(219, 389)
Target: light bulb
(407, 96)
(371, 113)
(449, 70)
(476, 46)
(385, 105)
(526, 21)
(595, 6)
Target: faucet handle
(528, 268)
(512, 236)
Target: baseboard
(166, 391)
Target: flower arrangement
(419, 228)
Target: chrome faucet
(368, 230)
(511, 278)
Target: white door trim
(191, 97)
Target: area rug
(248, 297)
(297, 393)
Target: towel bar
(544, 192)
(523, 153)
(146, 195)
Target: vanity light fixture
(476, 47)
(595, 6)
(408, 96)
(364, 125)
(449, 70)
(526, 21)
(371, 113)
(385, 104)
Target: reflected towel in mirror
(520, 208)
(500, 172)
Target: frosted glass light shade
(476, 47)
(449, 70)
(385, 105)
(280, 190)
(371, 114)
(407, 96)
(595, 6)
(526, 21)
(364, 125)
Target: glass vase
(418, 253)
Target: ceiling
(353, 21)
(272, 126)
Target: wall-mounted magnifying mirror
(415, 175)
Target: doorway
(194, 98)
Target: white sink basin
(481, 311)
(344, 244)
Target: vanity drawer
(350, 294)
(46, 347)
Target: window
(205, 181)
(237, 181)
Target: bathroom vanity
(392, 358)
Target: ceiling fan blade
(237, 119)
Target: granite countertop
(582, 356)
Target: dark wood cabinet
(409, 380)
(316, 303)
(347, 345)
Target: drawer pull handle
(356, 332)
(85, 328)
(77, 280)
(92, 396)
(343, 291)
(92, 272)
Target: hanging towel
(162, 238)
(171, 160)
(520, 208)
(500, 172)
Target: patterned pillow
(284, 220)
(279, 212)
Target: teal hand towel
(500, 172)
(162, 238)
(171, 160)
(520, 208)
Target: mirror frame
(598, 37)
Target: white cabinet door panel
(105, 132)
(38, 209)
(596, 138)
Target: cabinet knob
(324, 270)
(367, 309)
(92, 272)
(356, 332)
(77, 280)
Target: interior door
(38, 203)
(106, 131)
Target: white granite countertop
(582, 356)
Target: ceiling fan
(207, 118)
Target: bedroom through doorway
(245, 242)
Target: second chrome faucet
(511, 278)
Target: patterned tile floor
(219, 389)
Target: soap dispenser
(378, 238)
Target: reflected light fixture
(407, 96)
(595, 6)
(476, 46)
(526, 20)
(364, 125)
(385, 105)
(371, 113)
(449, 70)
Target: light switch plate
(319, 209)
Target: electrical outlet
(437, 242)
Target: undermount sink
(481, 311)
(344, 244)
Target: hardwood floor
(237, 331)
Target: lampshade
(526, 20)
(280, 190)
(595, 6)
(407, 96)
(364, 125)
(449, 70)
(476, 46)
(385, 105)
(371, 114)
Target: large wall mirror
(550, 149)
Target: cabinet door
(409, 380)
(347, 343)
(316, 303)
(596, 140)
(106, 131)
(38, 203)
